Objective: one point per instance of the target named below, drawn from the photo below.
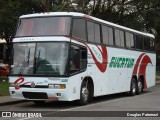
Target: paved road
(148, 101)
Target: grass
(4, 88)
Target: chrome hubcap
(139, 86)
(133, 88)
(85, 93)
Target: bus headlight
(14, 84)
(57, 86)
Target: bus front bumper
(40, 94)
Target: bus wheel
(133, 87)
(84, 93)
(39, 102)
(139, 86)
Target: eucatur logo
(119, 62)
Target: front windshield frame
(34, 73)
(69, 26)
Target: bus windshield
(43, 26)
(48, 58)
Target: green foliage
(4, 88)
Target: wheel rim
(139, 86)
(85, 93)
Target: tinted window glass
(110, 36)
(97, 33)
(152, 45)
(83, 58)
(132, 41)
(146, 43)
(117, 38)
(107, 34)
(74, 59)
(90, 27)
(121, 33)
(44, 26)
(128, 40)
(79, 29)
(139, 42)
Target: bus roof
(76, 14)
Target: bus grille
(35, 95)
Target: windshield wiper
(26, 60)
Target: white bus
(67, 56)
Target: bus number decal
(64, 80)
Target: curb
(13, 102)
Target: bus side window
(90, 28)
(83, 58)
(132, 41)
(110, 32)
(105, 35)
(152, 45)
(79, 29)
(128, 40)
(78, 59)
(97, 33)
(146, 44)
(139, 42)
(74, 59)
(121, 34)
(93, 30)
(117, 38)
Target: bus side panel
(151, 71)
(119, 74)
(146, 63)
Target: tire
(84, 93)
(39, 102)
(133, 87)
(139, 86)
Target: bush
(4, 88)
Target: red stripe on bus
(137, 64)
(102, 66)
(142, 68)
